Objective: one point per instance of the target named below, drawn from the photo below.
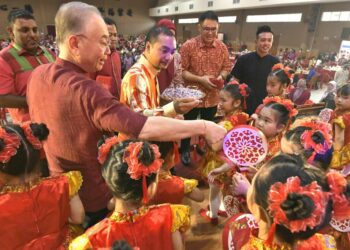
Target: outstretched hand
(184, 105)
(214, 135)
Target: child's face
(273, 86)
(268, 123)
(342, 102)
(226, 102)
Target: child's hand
(240, 184)
(212, 175)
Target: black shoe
(186, 158)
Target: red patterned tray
(245, 146)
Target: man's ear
(199, 27)
(10, 31)
(73, 44)
(148, 47)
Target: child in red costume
(35, 211)
(290, 201)
(170, 188)
(129, 169)
(217, 168)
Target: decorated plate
(245, 146)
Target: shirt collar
(202, 44)
(152, 70)
(69, 65)
(22, 52)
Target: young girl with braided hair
(274, 118)
(341, 130)
(278, 80)
(35, 211)
(217, 168)
(291, 201)
(130, 171)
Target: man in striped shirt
(17, 62)
(140, 87)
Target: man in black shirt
(253, 68)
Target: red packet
(219, 83)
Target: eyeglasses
(209, 29)
(103, 43)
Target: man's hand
(206, 83)
(184, 105)
(214, 135)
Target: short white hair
(71, 18)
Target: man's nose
(108, 50)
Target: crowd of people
(87, 161)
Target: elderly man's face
(160, 53)
(93, 45)
(24, 32)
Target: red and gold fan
(245, 146)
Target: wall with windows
(309, 33)
(45, 11)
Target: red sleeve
(7, 78)
(108, 114)
(227, 65)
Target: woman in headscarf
(300, 94)
(329, 95)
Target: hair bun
(318, 137)
(40, 131)
(298, 206)
(146, 155)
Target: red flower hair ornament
(278, 193)
(341, 205)
(137, 169)
(104, 149)
(310, 144)
(36, 143)
(12, 143)
(242, 90)
(288, 104)
(280, 67)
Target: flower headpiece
(310, 144)
(279, 67)
(137, 169)
(242, 90)
(288, 104)
(104, 149)
(12, 142)
(279, 192)
(341, 205)
(36, 143)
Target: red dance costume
(241, 232)
(145, 228)
(35, 215)
(172, 189)
(341, 158)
